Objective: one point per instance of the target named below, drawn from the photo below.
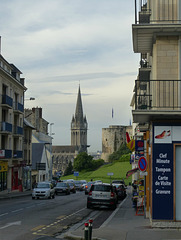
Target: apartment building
(41, 169)
(11, 126)
(156, 105)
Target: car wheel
(33, 197)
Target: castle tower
(79, 126)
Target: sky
(59, 44)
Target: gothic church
(61, 155)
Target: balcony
(7, 101)
(152, 20)
(18, 107)
(18, 130)
(4, 154)
(17, 154)
(6, 127)
(157, 100)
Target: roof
(37, 151)
(28, 124)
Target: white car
(43, 190)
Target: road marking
(3, 214)
(17, 210)
(37, 228)
(11, 224)
(61, 218)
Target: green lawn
(119, 170)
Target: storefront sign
(3, 166)
(162, 175)
(2, 153)
(139, 145)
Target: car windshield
(61, 184)
(99, 187)
(43, 185)
(77, 182)
(71, 184)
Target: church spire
(79, 126)
(79, 108)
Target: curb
(70, 236)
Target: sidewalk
(123, 224)
(14, 194)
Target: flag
(132, 171)
(127, 137)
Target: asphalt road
(27, 219)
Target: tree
(121, 151)
(69, 169)
(83, 161)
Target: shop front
(166, 177)
(3, 175)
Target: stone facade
(112, 138)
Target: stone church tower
(79, 126)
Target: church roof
(79, 108)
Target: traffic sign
(142, 164)
(110, 173)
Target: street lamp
(29, 99)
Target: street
(27, 219)
(24, 218)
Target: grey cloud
(83, 77)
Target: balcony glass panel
(18, 130)
(17, 154)
(18, 106)
(7, 127)
(7, 100)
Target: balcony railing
(17, 154)
(158, 95)
(18, 107)
(163, 12)
(18, 130)
(6, 127)
(5, 153)
(7, 100)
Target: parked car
(62, 187)
(87, 187)
(121, 190)
(78, 185)
(72, 187)
(102, 195)
(43, 190)
(118, 181)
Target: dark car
(62, 187)
(118, 182)
(72, 187)
(78, 185)
(102, 195)
(87, 187)
(121, 190)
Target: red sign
(142, 164)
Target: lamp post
(29, 99)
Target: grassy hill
(119, 169)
